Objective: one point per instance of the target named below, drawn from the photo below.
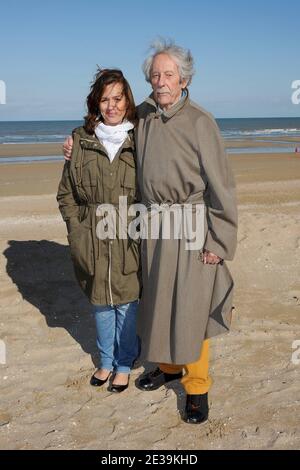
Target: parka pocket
(88, 180)
(130, 255)
(81, 248)
(129, 179)
(129, 184)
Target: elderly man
(187, 294)
(186, 298)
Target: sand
(17, 150)
(46, 399)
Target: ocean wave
(261, 132)
(240, 150)
(32, 139)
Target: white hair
(181, 56)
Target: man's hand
(210, 258)
(67, 148)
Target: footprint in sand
(294, 297)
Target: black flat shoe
(98, 382)
(155, 379)
(196, 409)
(117, 388)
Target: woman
(102, 169)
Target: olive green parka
(108, 270)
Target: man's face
(165, 81)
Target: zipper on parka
(109, 272)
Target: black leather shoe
(155, 379)
(117, 388)
(196, 408)
(98, 382)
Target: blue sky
(247, 53)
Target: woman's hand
(210, 258)
(67, 148)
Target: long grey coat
(181, 159)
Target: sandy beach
(48, 332)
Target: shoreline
(55, 149)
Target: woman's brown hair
(103, 78)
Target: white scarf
(112, 137)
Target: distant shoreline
(258, 145)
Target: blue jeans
(117, 341)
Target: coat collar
(91, 142)
(166, 115)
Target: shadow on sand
(43, 273)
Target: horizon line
(82, 119)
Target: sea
(25, 132)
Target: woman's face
(113, 104)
